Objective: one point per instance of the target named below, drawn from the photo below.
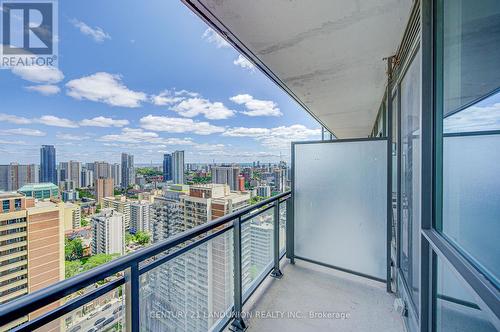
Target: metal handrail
(33, 301)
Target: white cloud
(14, 119)
(209, 147)
(48, 120)
(228, 155)
(186, 93)
(51, 120)
(178, 125)
(275, 138)
(295, 132)
(137, 135)
(71, 137)
(131, 135)
(190, 104)
(257, 107)
(96, 33)
(44, 89)
(165, 99)
(213, 37)
(177, 141)
(22, 132)
(242, 62)
(104, 122)
(192, 107)
(39, 74)
(168, 97)
(106, 88)
(247, 132)
(13, 142)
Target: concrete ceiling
(327, 54)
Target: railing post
(276, 270)
(132, 297)
(290, 252)
(238, 324)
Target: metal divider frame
(427, 162)
(290, 230)
(276, 242)
(238, 323)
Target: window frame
(433, 243)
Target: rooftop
(9, 194)
(38, 186)
(107, 212)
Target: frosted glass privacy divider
(340, 204)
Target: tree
(96, 260)
(81, 265)
(84, 193)
(73, 249)
(255, 200)
(129, 238)
(201, 179)
(142, 238)
(147, 171)
(72, 268)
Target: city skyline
(99, 103)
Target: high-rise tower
(48, 164)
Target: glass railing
(196, 280)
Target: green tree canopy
(147, 171)
(85, 193)
(142, 238)
(96, 260)
(73, 249)
(72, 268)
(84, 222)
(129, 238)
(81, 265)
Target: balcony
(312, 297)
(205, 277)
(391, 226)
(12, 256)
(12, 235)
(13, 265)
(12, 226)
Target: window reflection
(456, 306)
(469, 65)
(483, 116)
(410, 176)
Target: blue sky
(145, 77)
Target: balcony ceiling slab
(327, 54)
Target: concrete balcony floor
(285, 304)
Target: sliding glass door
(410, 177)
(467, 113)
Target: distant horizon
(157, 163)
